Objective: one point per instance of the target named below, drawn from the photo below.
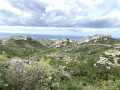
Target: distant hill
(95, 39)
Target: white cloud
(113, 14)
(4, 5)
(43, 16)
(49, 9)
(78, 10)
(61, 13)
(26, 15)
(99, 1)
(58, 4)
(10, 19)
(91, 2)
(1, 22)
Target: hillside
(86, 64)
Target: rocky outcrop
(45, 42)
(5, 40)
(107, 62)
(113, 52)
(94, 37)
(110, 58)
(65, 41)
(55, 43)
(104, 60)
(62, 42)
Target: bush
(36, 76)
(4, 67)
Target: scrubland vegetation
(43, 68)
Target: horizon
(47, 36)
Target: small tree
(4, 67)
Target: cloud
(65, 16)
(4, 5)
(60, 13)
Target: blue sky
(60, 17)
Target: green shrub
(39, 76)
(4, 67)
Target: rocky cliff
(62, 42)
(55, 43)
(94, 37)
(5, 40)
(45, 42)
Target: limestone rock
(94, 37)
(5, 40)
(62, 42)
(112, 52)
(45, 42)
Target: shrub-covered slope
(28, 64)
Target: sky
(60, 17)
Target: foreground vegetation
(46, 68)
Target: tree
(4, 68)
